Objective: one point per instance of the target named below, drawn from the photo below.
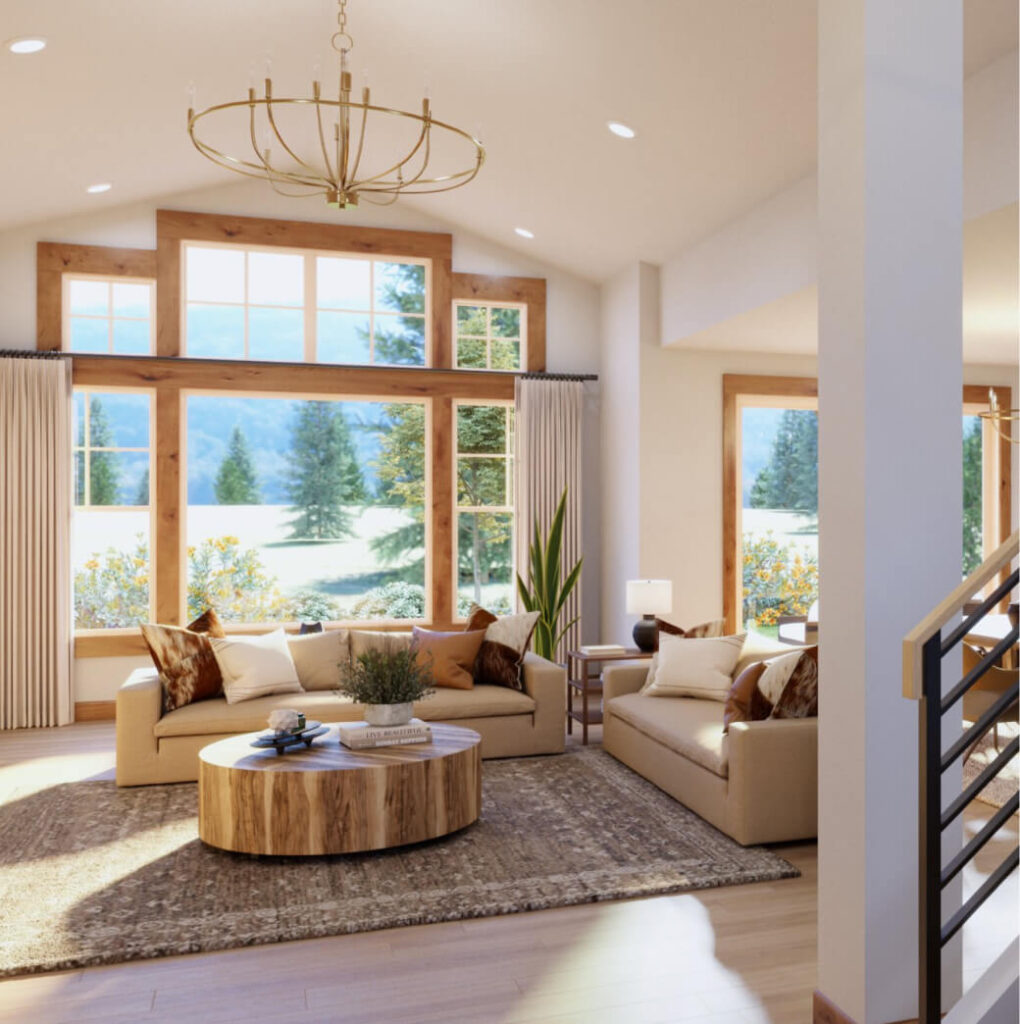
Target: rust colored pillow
(799, 698)
(451, 656)
(745, 702)
(479, 618)
(209, 623)
(187, 667)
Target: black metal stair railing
(934, 877)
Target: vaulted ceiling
(722, 96)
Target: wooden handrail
(949, 609)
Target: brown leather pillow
(745, 702)
(450, 656)
(703, 629)
(187, 667)
(799, 698)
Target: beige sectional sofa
(153, 747)
(758, 783)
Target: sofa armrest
(623, 677)
(545, 683)
(773, 780)
(139, 708)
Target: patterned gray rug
(93, 874)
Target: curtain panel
(35, 529)
(547, 423)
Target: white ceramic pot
(389, 714)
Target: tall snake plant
(543, 592)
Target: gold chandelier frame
(337, 177)
(1001, 419)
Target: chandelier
(327, 149)
(1001, 419)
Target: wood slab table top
(329, 799)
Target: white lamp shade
(649, 597)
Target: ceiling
(722, 96)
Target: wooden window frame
(111, 318)
(740, 390)
(488, 306)
(172, 376)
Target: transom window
(108, 315)
(485, 506)
(490, 335)
(302, 306)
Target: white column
(890, 377)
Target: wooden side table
(581, 680)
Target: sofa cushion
(216, 717)
(364, 640)
(449, 656)
(318, 656)
(699, 667)
(688, 726)
(188, 670)
(255, 666)
(506, 642)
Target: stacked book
(594, 650)
(362, 736)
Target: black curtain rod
(558, 376)
(31, 353)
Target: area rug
(92, 874)
(1005, 784)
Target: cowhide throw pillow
(188, 670)
(702, 629)
(501, 655)
(209, 623)
(745, 702)
(799, 698)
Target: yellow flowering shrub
(778, 580)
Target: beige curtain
(35, 524)
(548, 422)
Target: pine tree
(104, 473)
(403, 289)
(142, 496)
(325, 475)
(789, 480)
(972, 529)
(236, 481)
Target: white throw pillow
(513, 630)
(695, 667)
(317, 657)
(255, 666)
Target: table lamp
(648, 598)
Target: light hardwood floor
(737, 955)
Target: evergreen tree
(402, 287)
(790, 478)
(104, 473)
(400, 467)
(972, 527)
(236, 481)
(142, 496)
(325, 475)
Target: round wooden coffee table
(328, 799)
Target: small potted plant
(387, 685)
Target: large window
(770, 501)
(305, 509)
(779, 514)
(111, 525)
(108, 316)
(304, 307)
(306, 460)
(485, 515)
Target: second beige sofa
(757, 783)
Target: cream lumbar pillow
(318, 656)
(695, 667)
(255, 666)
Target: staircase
(993, 998)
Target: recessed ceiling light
(525, 233)
(103, 187)
(623, 130)
(28, 44)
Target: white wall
(572, 327)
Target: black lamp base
(646, 633)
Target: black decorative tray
(284, 741)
